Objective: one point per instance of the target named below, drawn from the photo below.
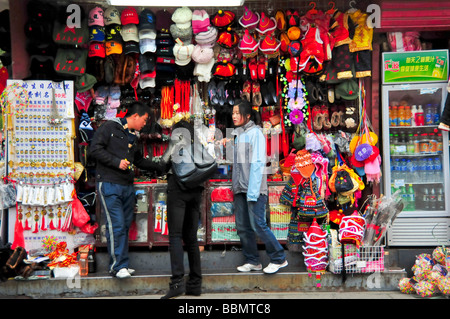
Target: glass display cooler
(221, 219)
(149, 227)
(415, 151)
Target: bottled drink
(420, 120)
(92, 260)
(410, 147)
(432, 143)
(407, 119)
(401, 148)
(436, 114)
(424, 143)
(429, 115)
(425, 199)
(396, 143)
(415, 171)
(411, 197)
(440, 205)
(439, 144)
(437, 164)
(401, 115)
(393, 115)
(416, 142)
(421, 168)
(409, 171)
(430, 170)
(395, 169)
(413, 115)
(83, 263)
(391, 144)
(403, 169)
(432, 199)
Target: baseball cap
(129, 16)
(96, 34)
(113, 47)
(97, 49)
(111, 16)
(147, 34)
(147, 80)
(129, 32)
(147, 45)
(96, 17)
(147, 20)
(131, 47)
(146, 62)
(113, 32)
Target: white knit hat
(182, 17)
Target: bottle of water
(409, 171)
(430, 170)
(403, 169)
(421, 168)
(411, 198)
(425, 199)
(437, 169)
(395, 169)
(415, 171)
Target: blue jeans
(118, 202)
(251, 221)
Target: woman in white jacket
(249, 182)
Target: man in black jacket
(115, 148)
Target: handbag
(64, 35)
(71, 61)
(193, 164)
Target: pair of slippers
(222, 93)
(321, 118)
(258, 93)
(257, 69)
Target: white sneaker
(131, 271)
(123, 273)
(273, 268)
(249, 267)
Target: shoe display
(123, 273)
(249, 267)
(273, 268)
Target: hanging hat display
(248, 46)
(315, 251)
(223, 19)
(228, 39)
(250, 19)
(266, 24)
(281, 20)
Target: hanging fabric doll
(315, 251)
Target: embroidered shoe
(273, 268)
(249, 267)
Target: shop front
(314, 74)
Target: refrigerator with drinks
(415, 151)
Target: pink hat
(248, 44)
(96, 17)
(266, 24)
(202, 54)
(200, 21)
(249, 19)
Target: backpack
(192, 164)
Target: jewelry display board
(40, 134)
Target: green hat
(85, 82)
(347, 90)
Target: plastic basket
(367, 259)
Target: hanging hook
(313, 9)
(351, 3)
(333, 7)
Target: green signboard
(415, 66)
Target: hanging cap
(111, 16)
(129, 16)
(266, 24)
(96, 17)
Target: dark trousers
(183, 213)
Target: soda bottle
(391, 144)
(419, 116)
(432, 199)
(440, 205)
(429, 115)
(412, 197)
(425, 199)
(401, 115)
(436, 114)
(410, 146)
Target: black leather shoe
(176, 289)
